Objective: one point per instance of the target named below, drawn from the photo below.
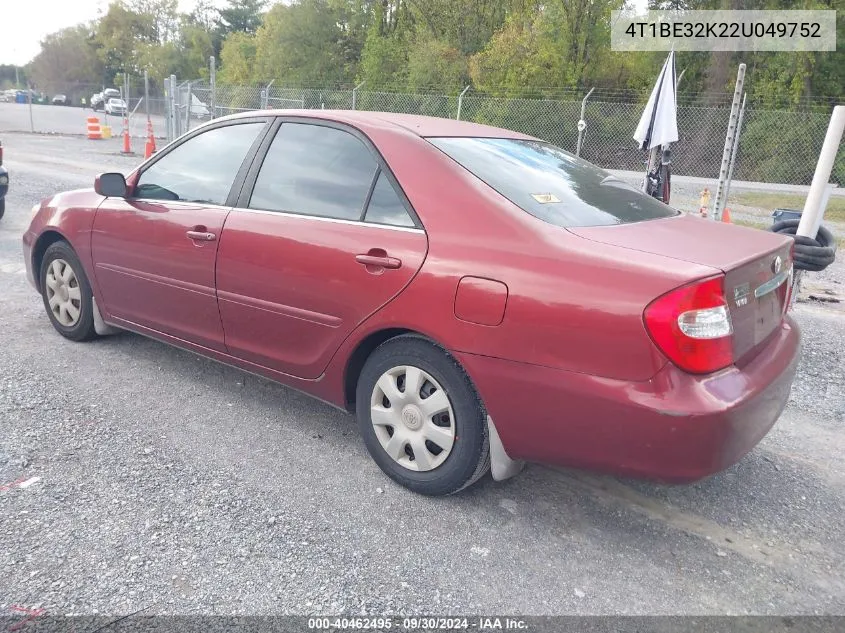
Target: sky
(24, 23)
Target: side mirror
(111, 185)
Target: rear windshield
(552, 184)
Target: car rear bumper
(675, 428)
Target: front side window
(315, 170)
(203, 168)
(552, 184)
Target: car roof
(424, 126)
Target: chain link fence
(777, 144)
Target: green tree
(301, 43)
(238, 58)
(435, 63)
(121, 33)
(384, 56)
(67, 56)
(241, 15)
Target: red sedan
(474, 295)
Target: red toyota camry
(476, 296)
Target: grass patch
(835, 211)
(840, 240)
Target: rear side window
(385, 206)
(552, 184)
(315, 170)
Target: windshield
(552, 184)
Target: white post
(582, 123)
(355, 95)
(817, 197)
(811, 217)
(460, 102)
(719, 198)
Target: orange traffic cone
(726, 216)
(150, 146)
(127, 147)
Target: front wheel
(420, 417)
(2, 207)
(67, 293)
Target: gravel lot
(170, 482)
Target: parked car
(116, 106)
(60, 100)
(473, 294)
(4, 183)
(98, 100)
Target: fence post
(355, 95)
(735, 149)
(147, 94)
(212, 76)
(172, 108)
(582, 123)
(189, 107)
(265, 96)
(720, 198)
(29, 101)
(461, 102)
(166, 109)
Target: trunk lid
(757, 266)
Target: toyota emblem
(776, 264)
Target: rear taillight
(692, 326)
(1, 153)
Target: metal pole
(147, 94)
(212, 74)
(17, 78)
(719, 198)
(461, 102)
(265, 96)
(188, 108)
(735, 149)
(355, 95)
(582, 123)
(173, 114)
(29, 100)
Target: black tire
(83, 329)
(2, 207)
(469, 458)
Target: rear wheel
(67, 293)
(420, 417)
(2, 207)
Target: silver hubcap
(63, 293)
(412, 418)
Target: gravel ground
(169, 482)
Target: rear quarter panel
(571, 303)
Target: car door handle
(381, 261)
(201, 236)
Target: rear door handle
(201, 236)
(377, 260)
